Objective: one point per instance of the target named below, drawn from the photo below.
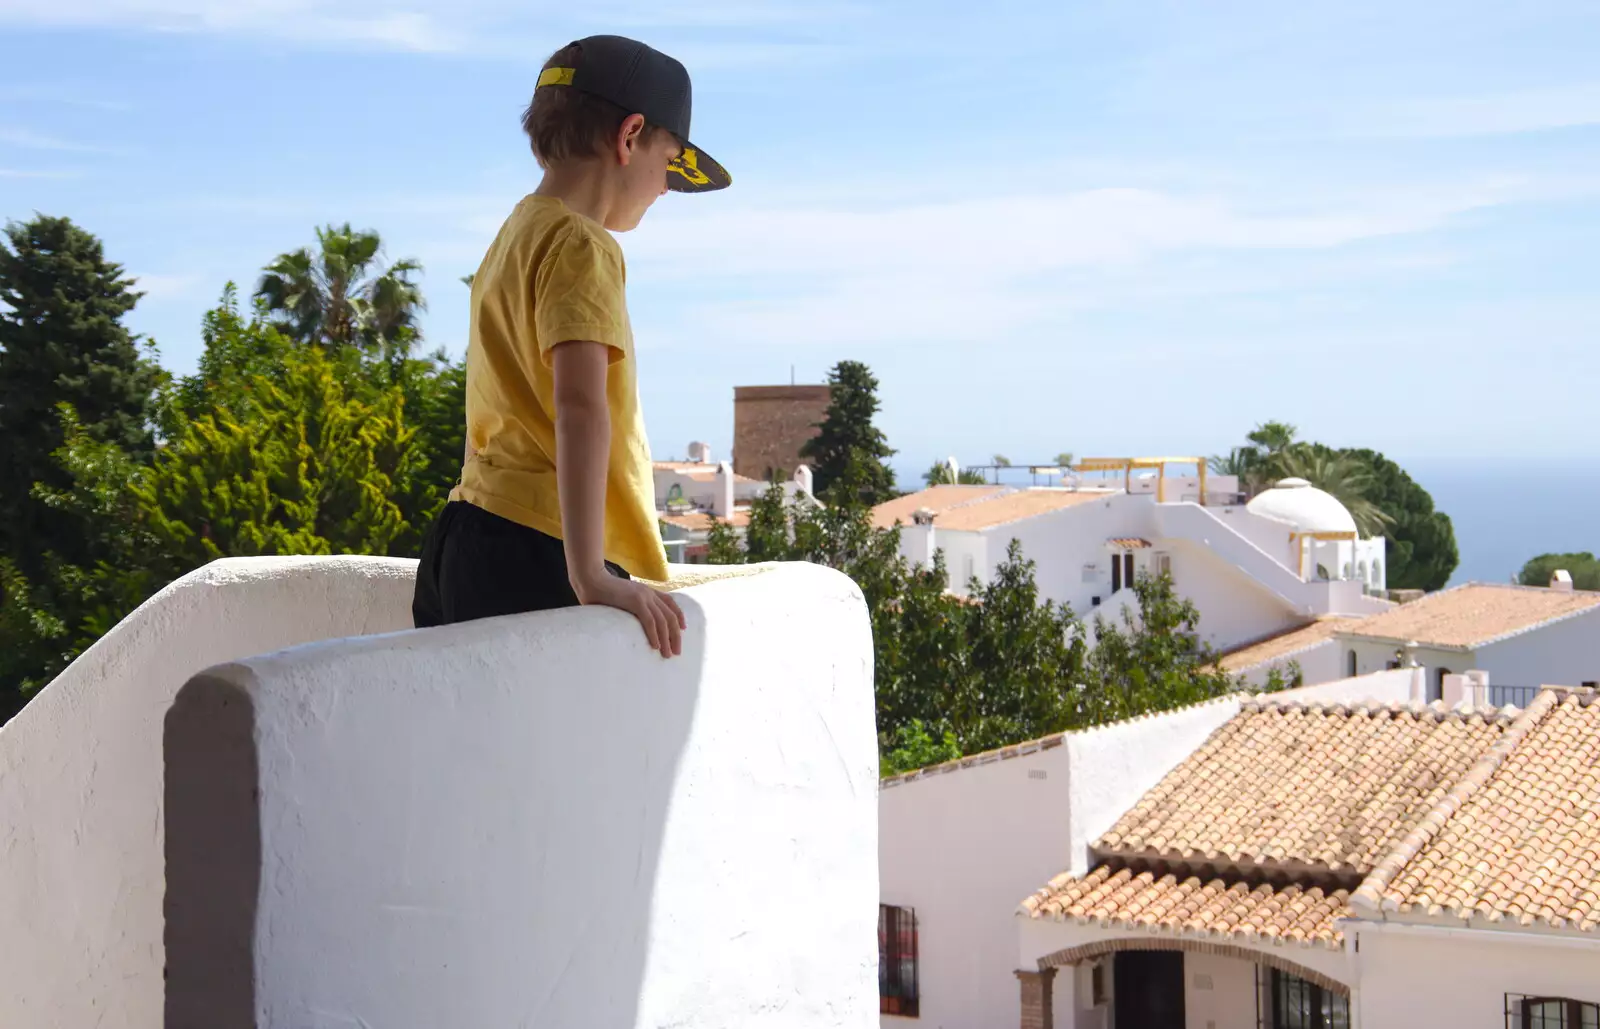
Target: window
(1097, 984)
(1352, 672)
(1285, 1001)
(897, 961)
(1163, 565)
(1524, 1012)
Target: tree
(849, 447)
(1000, 461)
(1422, 550)
(342, 294)
(1151, 662)
(62, 341)
(1583, 567)
(938, 474)
(1064, 460)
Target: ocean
(1505, 513)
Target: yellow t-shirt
(551, 276)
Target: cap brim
(695, 171)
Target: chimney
(722, 500)
(700, 453)
(802, 478)
(918, 538)
(1561, 580)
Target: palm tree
(1348, 479)
(343, 294)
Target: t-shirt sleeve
(578, 294)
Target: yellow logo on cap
(688, 165)
(556, 77)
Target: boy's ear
(628, 136)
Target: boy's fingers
(647, 621)
(683, 623)
(664, 627)
(674, 620)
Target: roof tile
(1474, 614)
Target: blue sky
(1111, 227)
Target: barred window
(897, 961)
(1527, 1012)
(1285, 1001)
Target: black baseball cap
(641, 80)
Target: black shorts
(478, 565)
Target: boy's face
(644, 172)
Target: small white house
(960, 844)
(1519, 636)
(1332, 866)
(1290, 556)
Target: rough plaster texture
(534, 821)
(81, 777)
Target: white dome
(1303, 506)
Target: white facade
(1238, 567)
(1565, 652)
(1410, 976)
(962, 845)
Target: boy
(556, 503)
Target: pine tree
(62, 341)
(848, 454)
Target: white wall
(1218, 992)
(1563, 653)
(536, 821)
(1233, 607)
(81, 777)
(1411, 979)
(963, 849)
(1319, 663)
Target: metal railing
(1515, 696)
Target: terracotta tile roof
(1519, 843)
(1129, 543)
(1013, 507)
(1472, 615)
(1294, 787)
(934, 498)
(701, 521)
(1120, 897)
(1284, 644)
(697, 472)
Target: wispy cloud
(166, 287)
(39, 173)
(968, 269)
(478, 26)
(28, 139)
(1489, 115)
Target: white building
(1520, 637)
(694, 494)
(1289, 556)
(1313, 859)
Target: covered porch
(1151, 981)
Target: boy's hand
(657, 612)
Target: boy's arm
(583, 455)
